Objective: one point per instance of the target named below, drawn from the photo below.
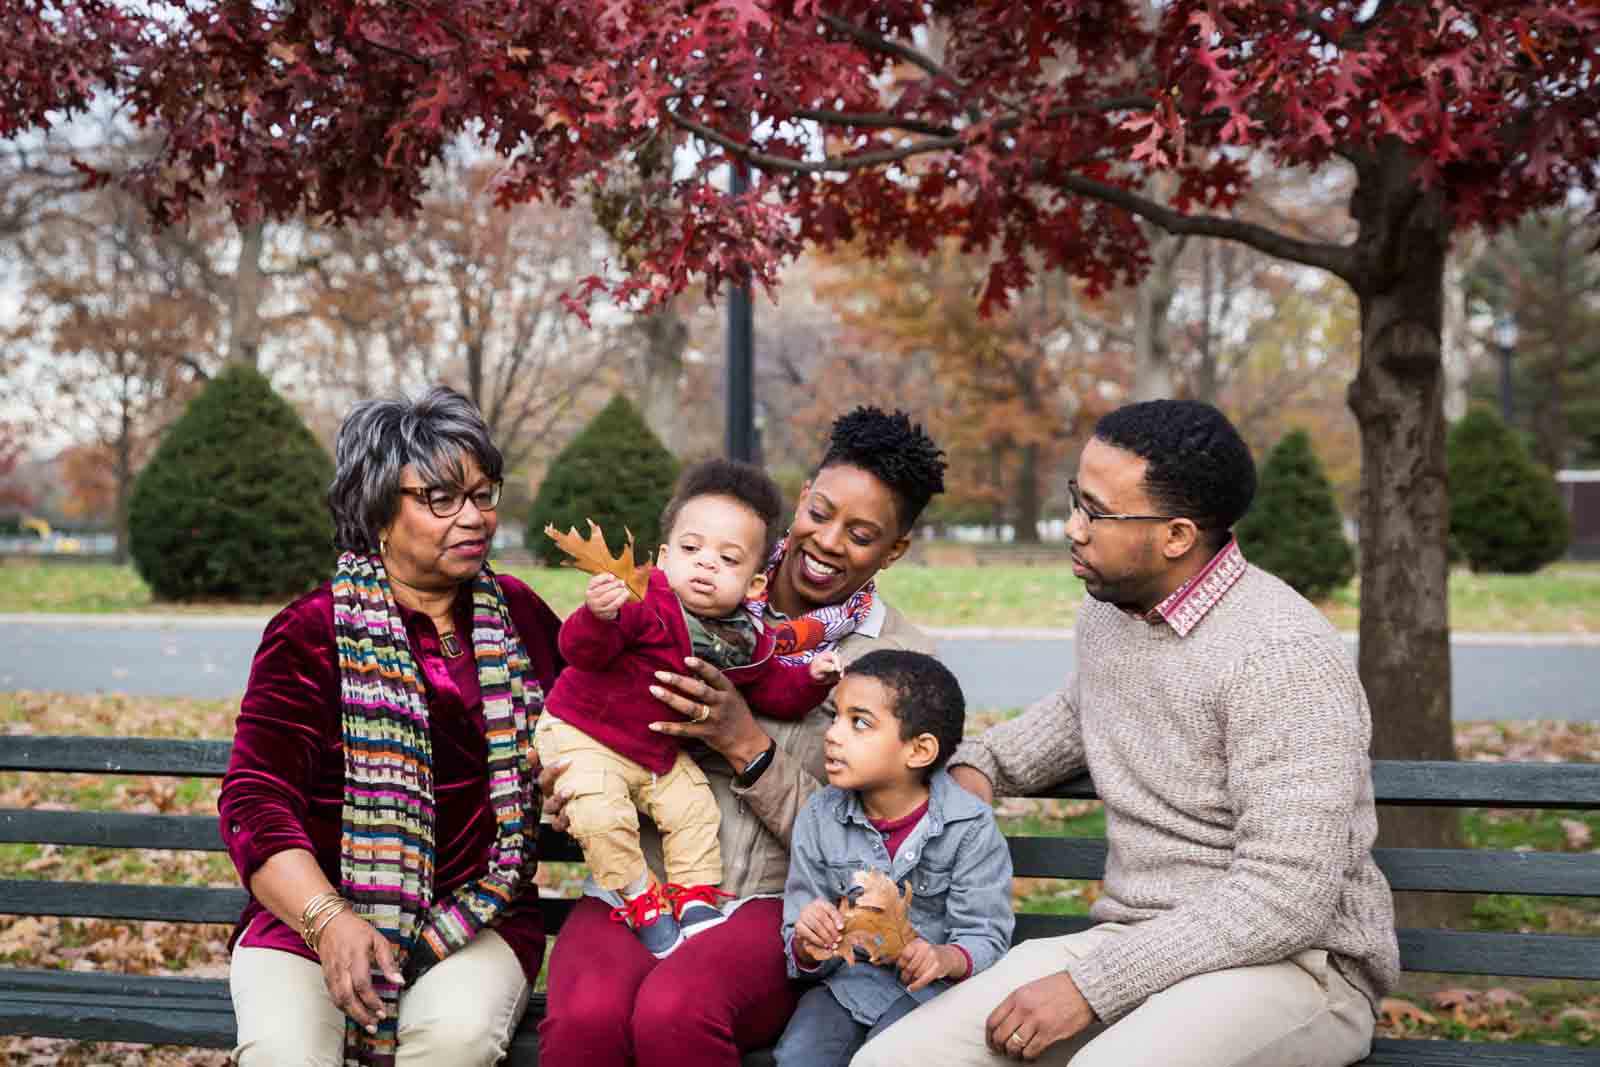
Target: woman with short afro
(612, 1004)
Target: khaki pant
(1299, 1013)
(462, 1013)
(608, 791)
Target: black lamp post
(1505, 340)
(740, 435)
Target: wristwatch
(755, 768)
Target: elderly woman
(611, 1003)
(378, 801)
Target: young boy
(891, 807)
(721, 524)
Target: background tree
(1544, 275)
(1030, 130)
(616, 472)
(1294, 528)
(1506, 513)
(233, 505)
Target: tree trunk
(1397, 398)
(1027, 498)
(249, 285)
(1152, 378)
(660, 363)
(124, 474)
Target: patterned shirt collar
(1190, 602)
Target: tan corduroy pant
(462, 1013)
(1299, 1013)
(609, 790)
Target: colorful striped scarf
(386, 856)
(799, 640)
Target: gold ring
(705, 713)
(1016, 1038)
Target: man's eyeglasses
(1095, 515)
(444, 502)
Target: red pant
(612, 1004)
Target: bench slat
(1507, 955)
(1410, 783)
(107, 1006)
(1441, 870)
(1391, 1052)
(200, 833)
(91, 900)
(115, 755)
(159, 903)
(1401, 782)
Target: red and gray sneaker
(653, 922)
(696, 906)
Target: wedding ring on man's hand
(703, 714)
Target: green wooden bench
(193, 1011)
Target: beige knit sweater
(1238, 792)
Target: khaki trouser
(1299, 1013)
(462, 1013)
(608, 791)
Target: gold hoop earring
(383, 544)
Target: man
(1243, 920)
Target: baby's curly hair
(892, 449)
(744, 482)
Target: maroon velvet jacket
(605, 690)
(285, 782)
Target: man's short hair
(927, 698)
(1198, 468)
(744, 482)
(892, 449)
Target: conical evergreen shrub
(1294, 529)
(615, 471)
(1506, 514)
(234, 503)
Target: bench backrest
(1574, 786)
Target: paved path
(1495, 676)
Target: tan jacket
(756, 822)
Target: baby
(720, 527)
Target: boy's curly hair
(744, 482)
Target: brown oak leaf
(592, 556)
(1397, 1012)
(877, 920)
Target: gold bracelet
(315, 939)
(317, 907)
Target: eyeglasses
(444, 502)
(1095, 516)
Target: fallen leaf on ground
(1398, 1012)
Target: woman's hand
(713, 711)
(553, 799)
(348, 947)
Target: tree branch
(826, 165)
(866, 37)
(1336, 259)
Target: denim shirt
(955, 860)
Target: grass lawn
(1427, 1005)
(1563, 598)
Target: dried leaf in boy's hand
(591, 556)
(877, 920)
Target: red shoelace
(681, 895)
(642, 910)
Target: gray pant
(823, 1033)
(1298, 1013)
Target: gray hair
(379, 438)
